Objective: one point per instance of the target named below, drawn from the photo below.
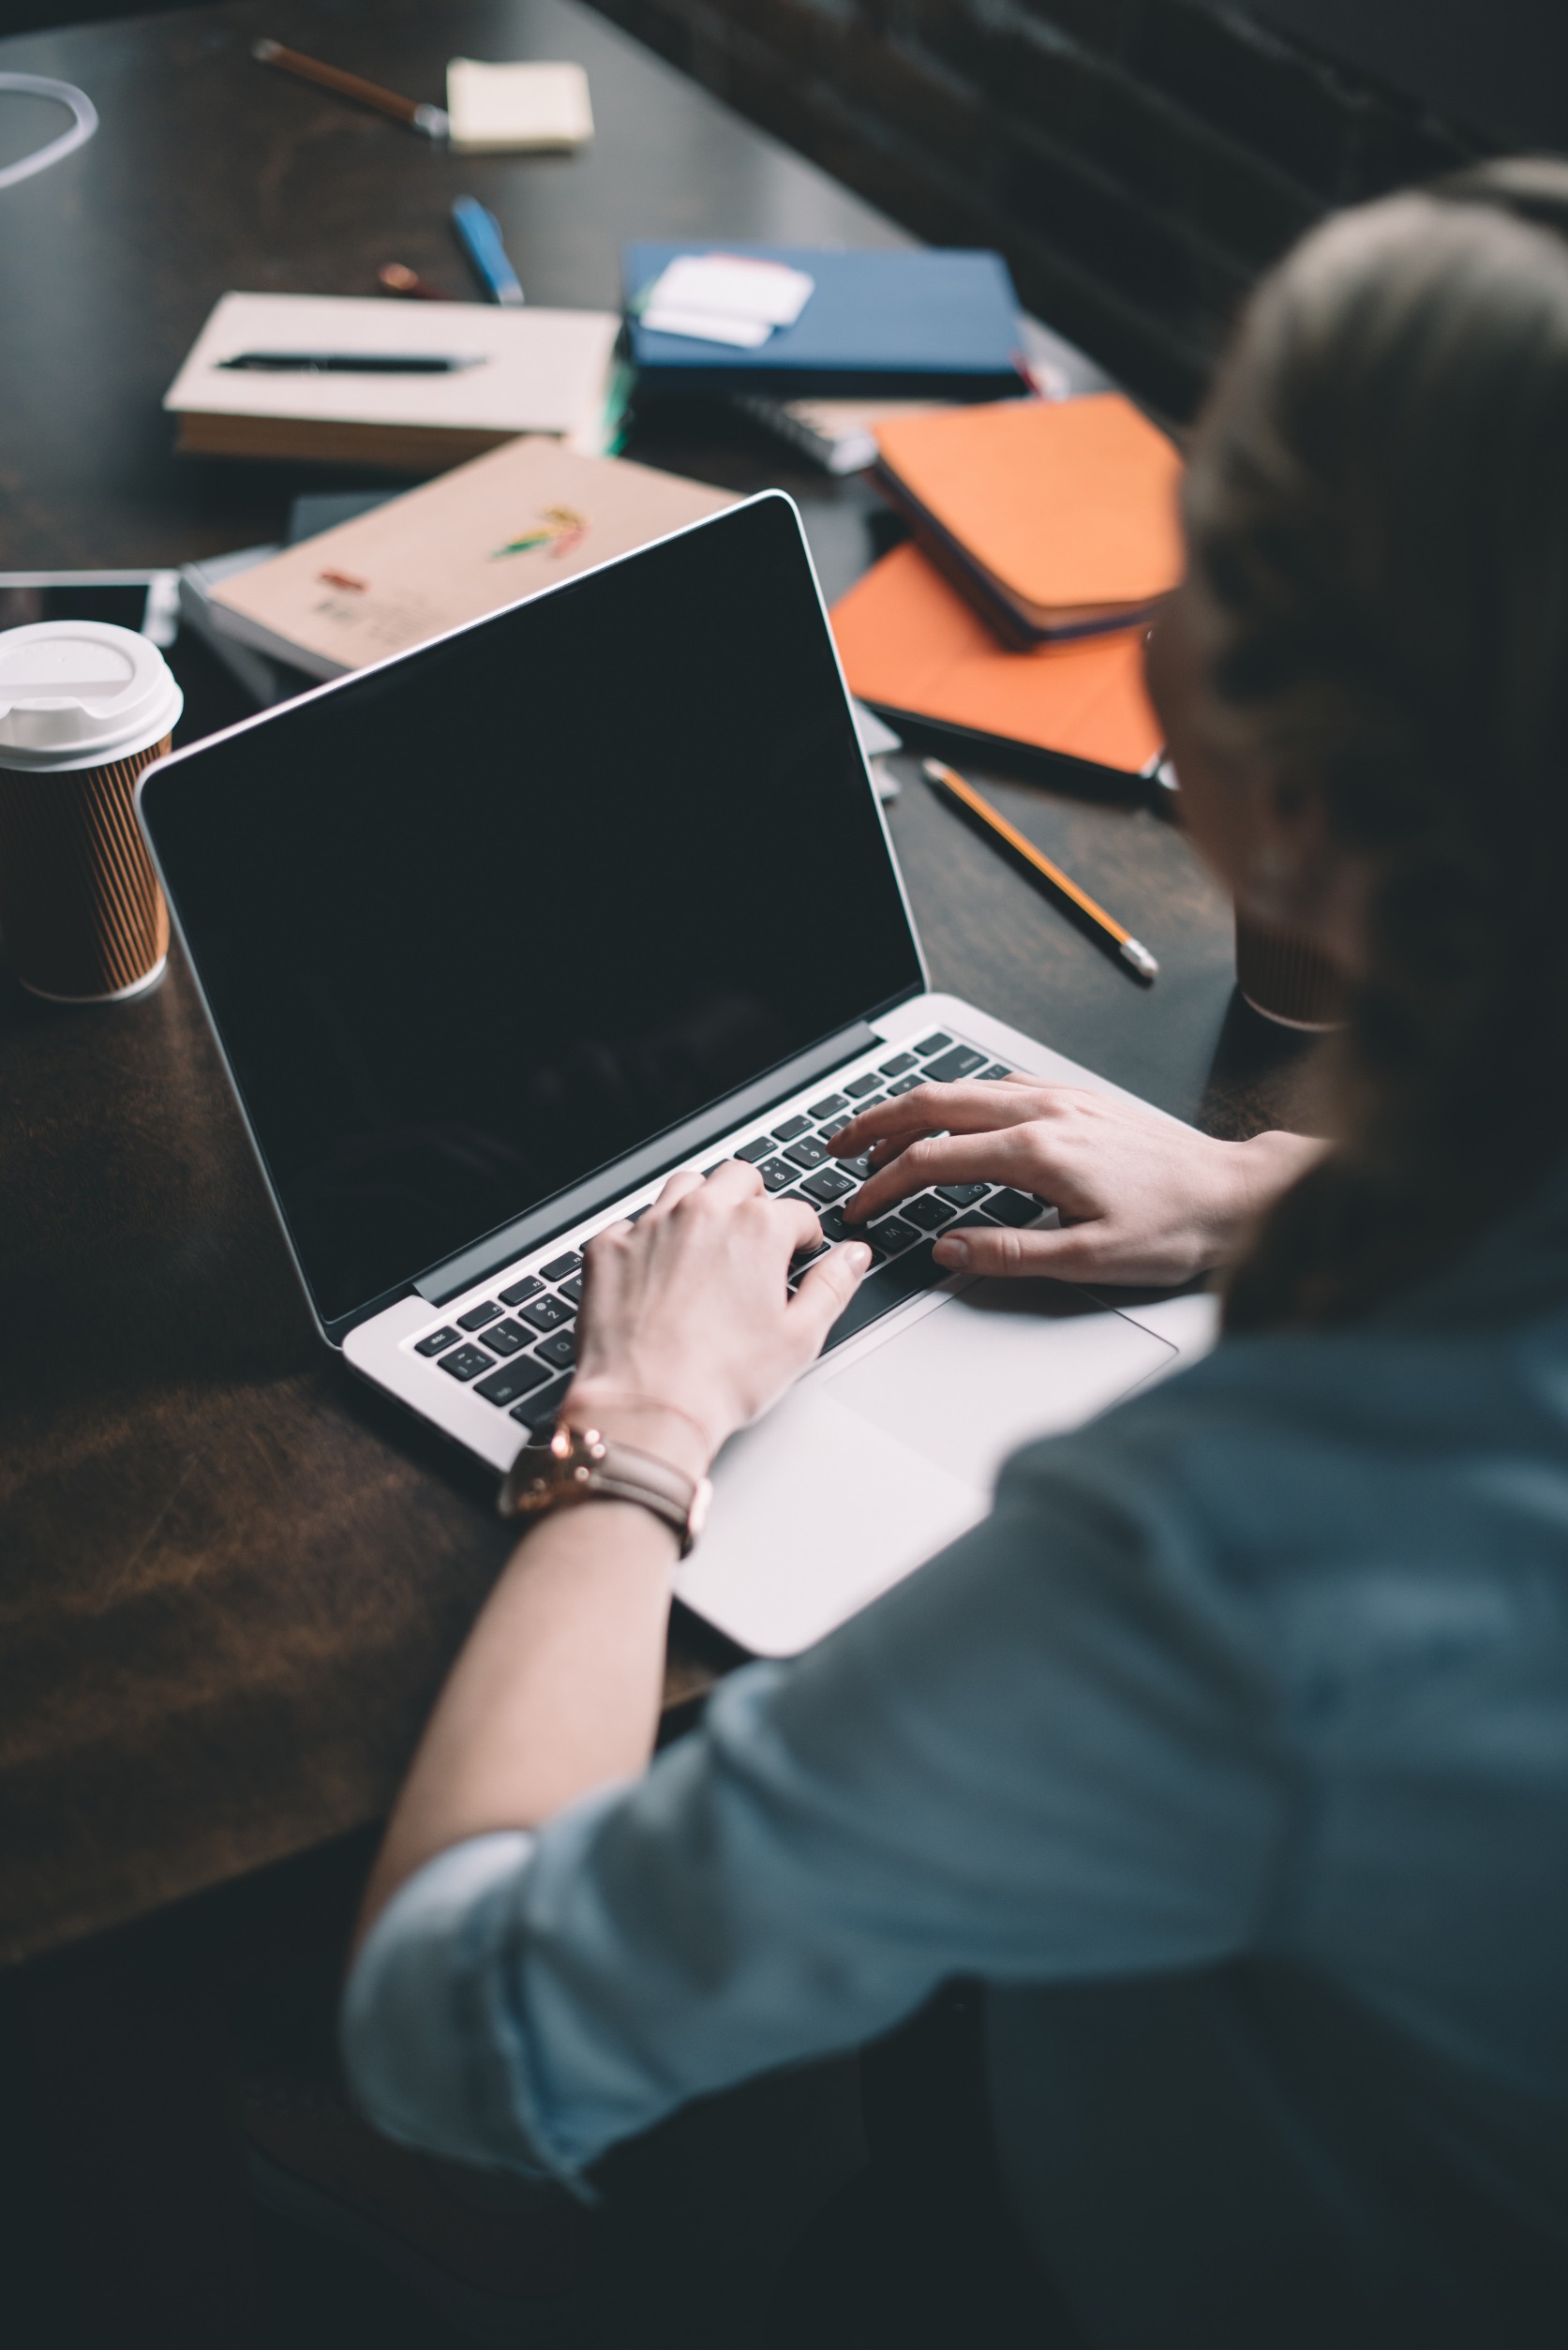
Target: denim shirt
(1230, 1752)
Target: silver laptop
(495, 935)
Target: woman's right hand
(1139, 1199)
(687, 1329)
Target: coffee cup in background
(1288, 979)
(84, 707)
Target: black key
(638, 1213)
(834, 1126)
(929, 1214)
(899, 1062)
(934, 1044)
(888, 1287)
(546, 1313)
(962, 1194)
(788, 1131)
(436, 1339)
(559, 1268)
(962, 1061)
(712, 1170)
(825, 1109)
(530, 1286)
(505, 1338)
(777, 1173)
(512, 1380)
(831, 1219)
(540, 1410)
(859, 1166)
(561, 1352)
(905, 1085)
(809, 1254)
(1012, 1207)
(890, 1235)
(870, 1103)
(808, 1152)
(466, 1363)
(827, 1186)
(975, 1216)
(860, 1087)
(997, 1069)
(751, 1152)
(572, 1290)
(477, 1316)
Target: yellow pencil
(947, 779)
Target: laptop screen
(475, 924)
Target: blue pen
(479, 234)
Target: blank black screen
(477, 923)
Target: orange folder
(912, 646)
(1053, 515)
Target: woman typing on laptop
(1230, 1754)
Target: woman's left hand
(1140, 1197)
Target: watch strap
(575, 1465)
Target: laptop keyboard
(517, 1347)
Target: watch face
(547, 1477)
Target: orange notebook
(1055, 517)
(914, 648)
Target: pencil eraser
(497, 108)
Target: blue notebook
(918, 324)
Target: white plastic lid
(73, 692)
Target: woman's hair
(1377, 513)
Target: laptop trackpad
(1000, 1363)
(862, 1471)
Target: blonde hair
(1377, 513)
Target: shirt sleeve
(1046, 1754)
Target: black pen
(349, 363)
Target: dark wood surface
(230, 1578)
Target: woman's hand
(687, 1329)
(1139, 1199)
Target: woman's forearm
(557, 1690)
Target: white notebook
(540, 371)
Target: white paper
(726, 298)
(705, 326)
(494, 108)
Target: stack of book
(1043, 533)
(788, 323)
(413, 387)
(393, 573)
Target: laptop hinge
(487, 1256)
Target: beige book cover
(528, 370)
(498, 530)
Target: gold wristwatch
(577, 1464)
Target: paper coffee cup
(1288, 979)
(83, 709)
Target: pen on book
(479, 234)
(353, 362)
(1131, 951)
(433, 121)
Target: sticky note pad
(494, 108)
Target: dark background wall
(1502, 62)
(1139, 161)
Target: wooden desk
(231, 1578)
